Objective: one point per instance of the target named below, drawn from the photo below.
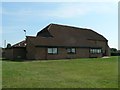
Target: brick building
(60, 42)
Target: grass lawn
(73, 73)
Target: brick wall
(19, 53)
(41, 53)
(15, 53)
(9, 53)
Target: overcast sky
(102, 17)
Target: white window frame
(52, 50)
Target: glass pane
(68, 50)
(49, 50)
(98, 50)
(73, 50)
(54, 50)
(90, 50)
(93, 50)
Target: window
(95, 51)
(71, 50)
(52, 51)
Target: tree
(114, 52)
(118, 52)
(8, 45)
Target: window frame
(95, 50)
(71, 51)
(52, 50)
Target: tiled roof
(62, 35)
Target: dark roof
(62, 35)
(56, 30)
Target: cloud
(17, 13)
(69, 11)
(77, 10)
(66, 10)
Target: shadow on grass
(14, 60)
(19, 60)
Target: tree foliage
(114, 52)
(8, 45)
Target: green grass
(75, 73)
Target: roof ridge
(49, 26)
(30, 36)
(69, 26)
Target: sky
(101, 17)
